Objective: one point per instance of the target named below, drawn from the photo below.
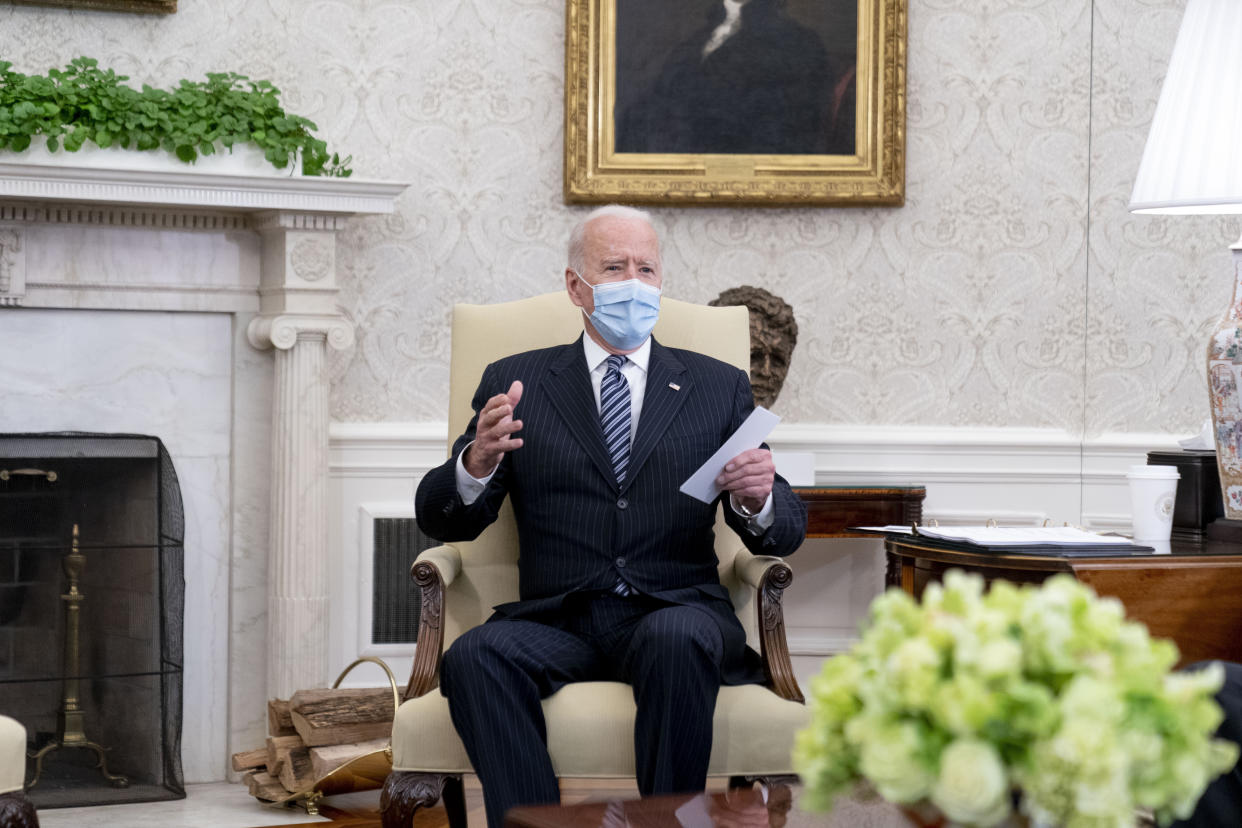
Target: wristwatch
(741, 509)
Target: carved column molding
(298, 318)
(12, 267)
(283, 332)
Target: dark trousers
(495, 675)
(1221, 804)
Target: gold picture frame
(671, 158)
(139, 6)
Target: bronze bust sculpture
(773, 335)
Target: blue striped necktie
(614, 414)
(614, 420)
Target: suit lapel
(569, 388)
(661, 402)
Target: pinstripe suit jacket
(578, 528)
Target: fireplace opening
(91, 610)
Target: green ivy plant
(66, 108)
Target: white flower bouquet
(1044, 697)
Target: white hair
(577, 236)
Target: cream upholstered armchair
(590, 725)
(16, 811)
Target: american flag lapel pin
(674, 386)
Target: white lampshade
(1193, 159)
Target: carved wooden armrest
(432, 572)
(770, 577)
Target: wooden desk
(1193, 595)
(830, 510)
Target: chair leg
(780, 799)
(455, 801)
(779, 794)
(17, 811)
(406, 791)
(778, 785)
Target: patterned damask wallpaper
(1012, 289)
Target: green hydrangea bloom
(970, 697)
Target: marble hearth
(197, 308)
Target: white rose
(1093, 700)
(1002, 657)
(914, 669)
(889, 758)
(972, 787)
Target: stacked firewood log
(312, 734)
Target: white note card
(702, 484)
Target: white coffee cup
(1152, 493)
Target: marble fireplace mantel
(263, 249)
(184, 187)
(40, 194)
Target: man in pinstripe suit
(617, 568)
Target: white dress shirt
(727, 29)
(635, 372)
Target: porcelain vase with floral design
(1224, 371)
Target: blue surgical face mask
(625, 312)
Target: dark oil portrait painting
(135, 6)
(736, 76)
(718, 102)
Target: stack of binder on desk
(1017, 540)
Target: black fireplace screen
(92, 598)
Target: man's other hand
(748, 477)
(493, 435)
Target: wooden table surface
(1192, 595)
(831, 510)
(742, 808)
(734, 809)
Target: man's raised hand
(493, 434)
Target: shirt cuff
(470, 487)
(759, 523)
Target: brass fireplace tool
(71, 720)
